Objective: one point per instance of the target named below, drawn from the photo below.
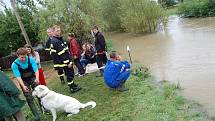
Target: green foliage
(10, 34)
(167, 3)
(72, 15)
(111, 13)
(141, 16)
(197, 8)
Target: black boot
(74, 88)
(122, 88)
(62, 80)
(34, 110)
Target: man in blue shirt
(116, 72)
(26, 72)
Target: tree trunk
(13, 4)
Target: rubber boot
(122, 88)
(33, 108)
(74, 88)
(62, 80)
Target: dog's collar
(45, 94)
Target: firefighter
(62, 58)
(48, 48)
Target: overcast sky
(7, 2)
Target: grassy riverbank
(145, 101)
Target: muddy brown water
(184, 52)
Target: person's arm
(74, 48)
(37, 56)
(21, 83)
(124, 71)
(18, 77)
(102, 42)
(47, 46)
(35, 69)
(7, 86)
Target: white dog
(57, 102)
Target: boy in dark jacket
(101, 49)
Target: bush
(141, 16)
(197, 8)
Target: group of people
(64, 55)
(28, 72)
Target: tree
(10, 32)
(111, 14)
(141, 16)
(72, 15)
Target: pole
(13, 4)
(128, 49)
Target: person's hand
(119, 58)
(82, 54)
(127, 69)
(37, 81)
(75, 57)
(70, 65)
(25, 89)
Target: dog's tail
(91, 103)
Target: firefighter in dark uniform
(48, 48)
(62, 58)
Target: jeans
(80, 67)
(84, 62)
(101, 60)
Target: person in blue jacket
(25, 70)
(116, 72)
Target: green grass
(144, 101)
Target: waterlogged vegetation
(197, 8)
(145, 101)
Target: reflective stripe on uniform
(66, 61)
(60, 65)
(69, 83)
(63, 51)
(60, 75)
(52, 51)
(48, 49)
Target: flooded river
(184, 52)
